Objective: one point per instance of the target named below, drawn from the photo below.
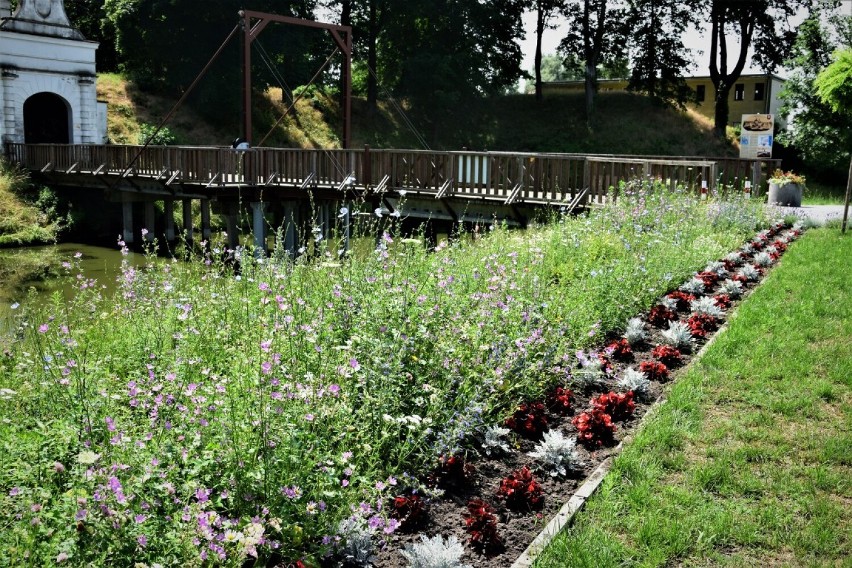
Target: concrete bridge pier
(149, 220)
(258, 228)
(127, 221)
(291, 240)
(205, 220)
(187, 220)
(169, 213)
(232, 227)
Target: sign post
(757, 136)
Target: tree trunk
(539, 31)
(372, 58)
(722, 111)
(591, 88)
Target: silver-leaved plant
(732, 288)
(495, 441)
(706, 305)
(678, 335)
(635, 381)
(635, 331)
(762, 259)
(749, 271)
(556, 454)
(693, 286)
(717, 268)
(435, 553)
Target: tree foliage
(821, 135)
(596, 37)
(660, 60)
(761, 24)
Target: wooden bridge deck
(532, 179)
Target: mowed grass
(748, 462)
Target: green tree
(89, 16)
(596, 37)
(545, 10)
(821, 135)
(659, 59)
(761, 24)
(164, 44)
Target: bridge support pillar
(187, 220)
(127, 222)
(169, 212)
(205, 219)
(149, 220)
(258, 229)
(290, 238)
(232, 217)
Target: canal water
(34, 274)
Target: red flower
(739, 278)
(683, 299)
(618, 406)
(620, 350)
(481, 525)
(667, 355)
(654, 370)
(729, 266)
(702, 324)
(606, 364)
(780, 245)
(660, 315)
(560, 400)
(723, 301)
(409, 510)
(451, 471)
(594, 427)
(709, 278)
(529, 420)
(521, 490)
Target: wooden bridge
(299, 187)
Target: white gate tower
(47, 77)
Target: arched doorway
(47, 119)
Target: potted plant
(785, 188)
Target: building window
(700, 93)
(759, 89)
(739, 91)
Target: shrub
(521, 490)
(481, 526)
(594, 428)
(618, 406)
(555, 454)
(409, 510)
(435, 553)
(560, 399)
(529, 420)
(654, 370)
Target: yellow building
(751, 94)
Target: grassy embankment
(22, 222)
(749, 462)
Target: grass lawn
(748, 462)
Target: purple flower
(139, 519)
(334, 390)
(14, 491)
(43, 328)
(353, 362)
(202, 494)
(142, 540)
(81, 515)
(309, 417)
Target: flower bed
(313, 412)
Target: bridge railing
(503, 176)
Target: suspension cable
(295, 100)
(179, 103)
(399, 109)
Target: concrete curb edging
(575, 504)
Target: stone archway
(47, 119)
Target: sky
(698, 41)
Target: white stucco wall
(31, 64)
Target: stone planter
(787, 195)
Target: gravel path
(817, 213)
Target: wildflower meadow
(205, 414)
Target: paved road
(818, 213)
